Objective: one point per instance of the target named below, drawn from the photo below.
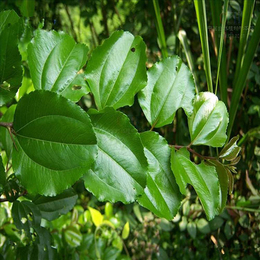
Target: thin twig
(194, 152)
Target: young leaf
(120, 170)
(231, 150)
(53, 207)
(116, 70)
(170, 86)
(55, 140)
(10, 58)
(72, 236)
(162, 195)
(96, 216)
(126, 230)
(209, 120)
(202, 177)
(54, 60)
(26, 216)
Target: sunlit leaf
(54, 60)
(116, 70)
(96, 216)
(120, 170)
(162, 195)
(209, 121)
(170, 86)
(55, 143)
(202, 177)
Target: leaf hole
(133, 50)
(76, 87)
(23, 220)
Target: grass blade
(216, 9)
(246, 23)
(184, 41)
(241, 81)
(203, 30)
(224, 18)
(159, 28)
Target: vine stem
(194, 152)
(6, 124)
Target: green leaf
(231, 150)
(96, 216)
(162, 195)
(192, 230)
(120, 170)
(116, 70)
(170, 86)
(209, 120)
(109, 210)
(54, 60)
(126, 230)
(55, 140)
(26, 7)
(202, 177)
(203, 226)
(26, 216)
(10, 58)
(2, 176)
(53, 207)
(223, 177)
(76, 89)
(216, 223)
(5, 138)
(72, 236)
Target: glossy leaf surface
(54, 60)
(55, 140)
(209, 121)
(162, 195)
(231, 150)
(53, 207)
(116, 70)
(120, 170)
(10, 58)
(202, 177)
(170, 86)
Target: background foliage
(94, 230)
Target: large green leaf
(209, 120)
(170, 86)
(10, 58)
(202, 177)
(116, 70)
(55, 140)
(120, 170)
(54, 60)
(53, 207)
(162, 195)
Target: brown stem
(20, 195)
(6, 124)
(194, 152)
(71, 23)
